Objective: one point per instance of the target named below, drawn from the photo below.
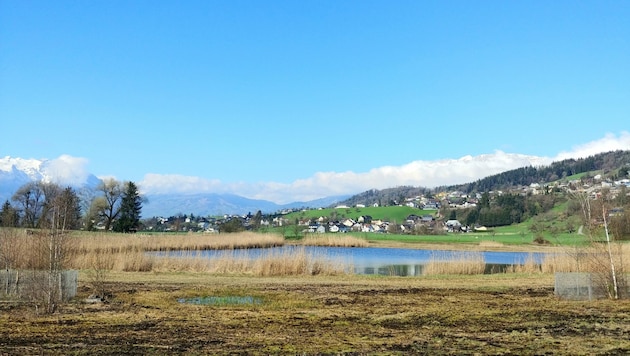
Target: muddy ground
(481, 315)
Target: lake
(382, 261)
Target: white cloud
(322, 184)
(176, 183)
(610, 142)
(417, 173)
(65, 170)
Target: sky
(297, 100)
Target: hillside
(614, 164)
(390, 213)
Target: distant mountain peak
(66, 170)
(30, 167)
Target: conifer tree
(8, 215)
(130, 210)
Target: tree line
(113, 205)
(618, 161)
(606, 162)
(504, 209)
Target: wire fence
(24, 284)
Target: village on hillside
(428, 220)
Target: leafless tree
(108, 205)
(11, 254)
(602, 257)
(50, 251)
(30, 200)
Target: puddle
(226, 300)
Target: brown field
(305, 305)
(458, 315)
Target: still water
(383, 261)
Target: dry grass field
(297, 304)
(449, 315)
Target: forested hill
(608, 162)
(389, 196)
(615, 162)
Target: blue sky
(264, 97)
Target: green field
(510, 235)
(389, 213)
(552, 223)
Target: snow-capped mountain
(15, 172)
(66, 171)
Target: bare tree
(602, 257)
(11, 254)
(108, 205)
(50, 251)
(30, 200)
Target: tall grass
(128, 252)
(455, 262)
(530, 266)
(288, 262)
(98, 252)
(593, 258)
(115, 243)
(334, 240)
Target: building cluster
(427, 221)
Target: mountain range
(15, 172)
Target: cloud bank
(65, 170)
(608, 143)
(417, 173)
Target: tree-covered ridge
(614, 161)
(605, 162)
(386, 197)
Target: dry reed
(490, 244)
(336, 240)
(114, 243)
(129, 253)
(530, 266)
(592, 258)
(287, 262)
(455, 262)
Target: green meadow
(389, 213)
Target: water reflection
(386, 261)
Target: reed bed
(114, 243)
(490, 244)
(129, 253)
(529, 266)
(336, 240)
(455, 262)
(290, 262)
(594, 258)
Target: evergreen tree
(256, 219)
(130, 210)
(8, 216)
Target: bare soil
(357, 315)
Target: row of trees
(607, 162)
(50, 210)
(504, 209)
(43, 205)
(114, 205)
